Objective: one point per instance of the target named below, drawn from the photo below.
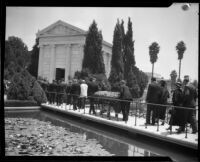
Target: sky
(166, 26)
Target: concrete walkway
(135, 125)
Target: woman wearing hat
(177, 101)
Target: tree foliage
(129, 58)
(180, 48)
(25, 87)
(17, 57)
(123, 62)
(93, 56)
(38, 93)
(153, 52)
(154, 49)
(33, 67)
(21, 84)
(117, 63)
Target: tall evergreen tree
(93, 58)
(129, 58)
(123, 39)
(33, 67)
(17, 56)
(117, 65)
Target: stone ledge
(125, 127)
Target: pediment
(60, 28)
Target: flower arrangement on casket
(107, 94)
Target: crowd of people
(184, 103)
(76, 92)
(184, 98)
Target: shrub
(25, 87)
(38, 93)
(21, 85)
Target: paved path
(135, 125)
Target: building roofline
(82, 32)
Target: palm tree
(153, 52)
(180, 48)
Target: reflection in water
(112, 145)
(136, 151)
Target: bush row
(19, 103)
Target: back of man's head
(153, 79)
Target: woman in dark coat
(176, 113)
(165, 95)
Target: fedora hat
(178, 84)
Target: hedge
(19, 103)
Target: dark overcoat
(75, 89)
(154, 94)
(189, 100)
(162, 109)
(177, 113)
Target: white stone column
(52, 63)
(40, 65)
(68, 61)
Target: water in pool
(115, 142)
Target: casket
(108, 94)
(105, 98)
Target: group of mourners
(184, 103)
(183, 99)
(77, 91)
(73, 94)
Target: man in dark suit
(189, 100)
(126, 96)
(75, 92)
(154, 94)
(92, 88)
(176, 113)
(68, 93)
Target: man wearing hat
(154, 94)
(176, 113)
(126, 96)
(189, 100)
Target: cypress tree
(117, 65)
(93, 58)
(129, 59)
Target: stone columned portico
(61, 51)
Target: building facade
(62, 50)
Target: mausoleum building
(62, 49)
